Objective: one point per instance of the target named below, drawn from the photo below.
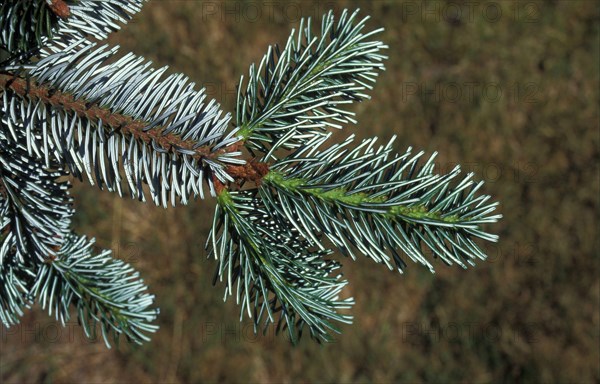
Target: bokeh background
(509, 89)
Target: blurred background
(508, 89)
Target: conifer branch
(15, 277)
(277, 276)
(72, 107)
(104, 290)
(159, 132)
(111, 121)
(26, 25)
(302, 90)
(373, 200)
(96, 18)
(41, 258)
(37, 204)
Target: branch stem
(252, 171)
(342, 196)
(118, 122)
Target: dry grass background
(531, 313)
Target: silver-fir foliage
(72, 106)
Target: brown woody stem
(60, 8)
(252, 171)
(125, 124)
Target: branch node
(59, 8)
